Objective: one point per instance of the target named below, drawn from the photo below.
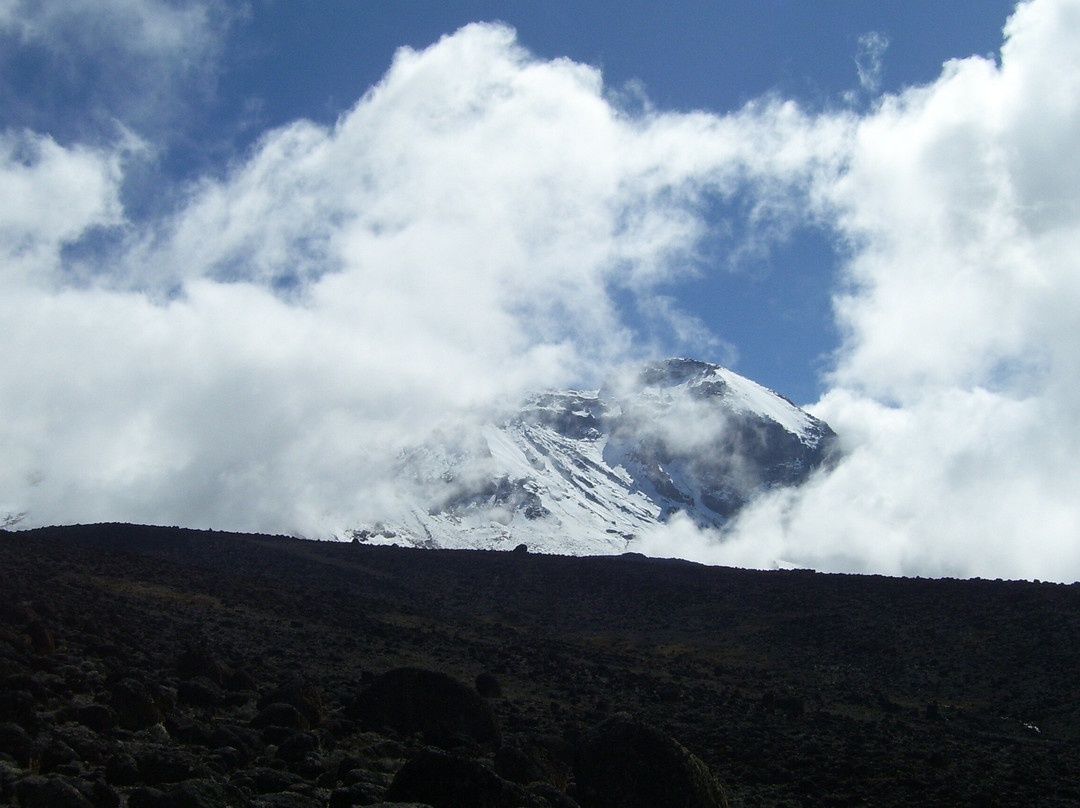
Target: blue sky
(249, 253)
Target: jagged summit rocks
(585, 472)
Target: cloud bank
(954, 389)
(483, 222)
(260, 358)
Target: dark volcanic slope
(795, 688)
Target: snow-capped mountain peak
(584, 472)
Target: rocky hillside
(167, 668)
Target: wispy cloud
(868, 60)
(77, 69)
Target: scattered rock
(567, 638)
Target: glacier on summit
(586, 472)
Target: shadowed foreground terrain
(166, 667)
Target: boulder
(276, 714)
(136, 705)
(536, 759)
(159, 765)
(122, 770)
(414, 700)
(203, 793)
(355, 794)
(445, 781)
(49, 792)
(15, 742)
(298, 746)
(19, 707)
(98, 717)
(263, 780)
(624, 763)
(302, 695)
(41, 639)
(200, 661)
(199, 691)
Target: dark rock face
(737, 455)
(570, 414)
(501, 492)
(624, 763)
(409, 700)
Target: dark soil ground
(795, 688)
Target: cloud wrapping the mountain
(474, 227)
(954, 390)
